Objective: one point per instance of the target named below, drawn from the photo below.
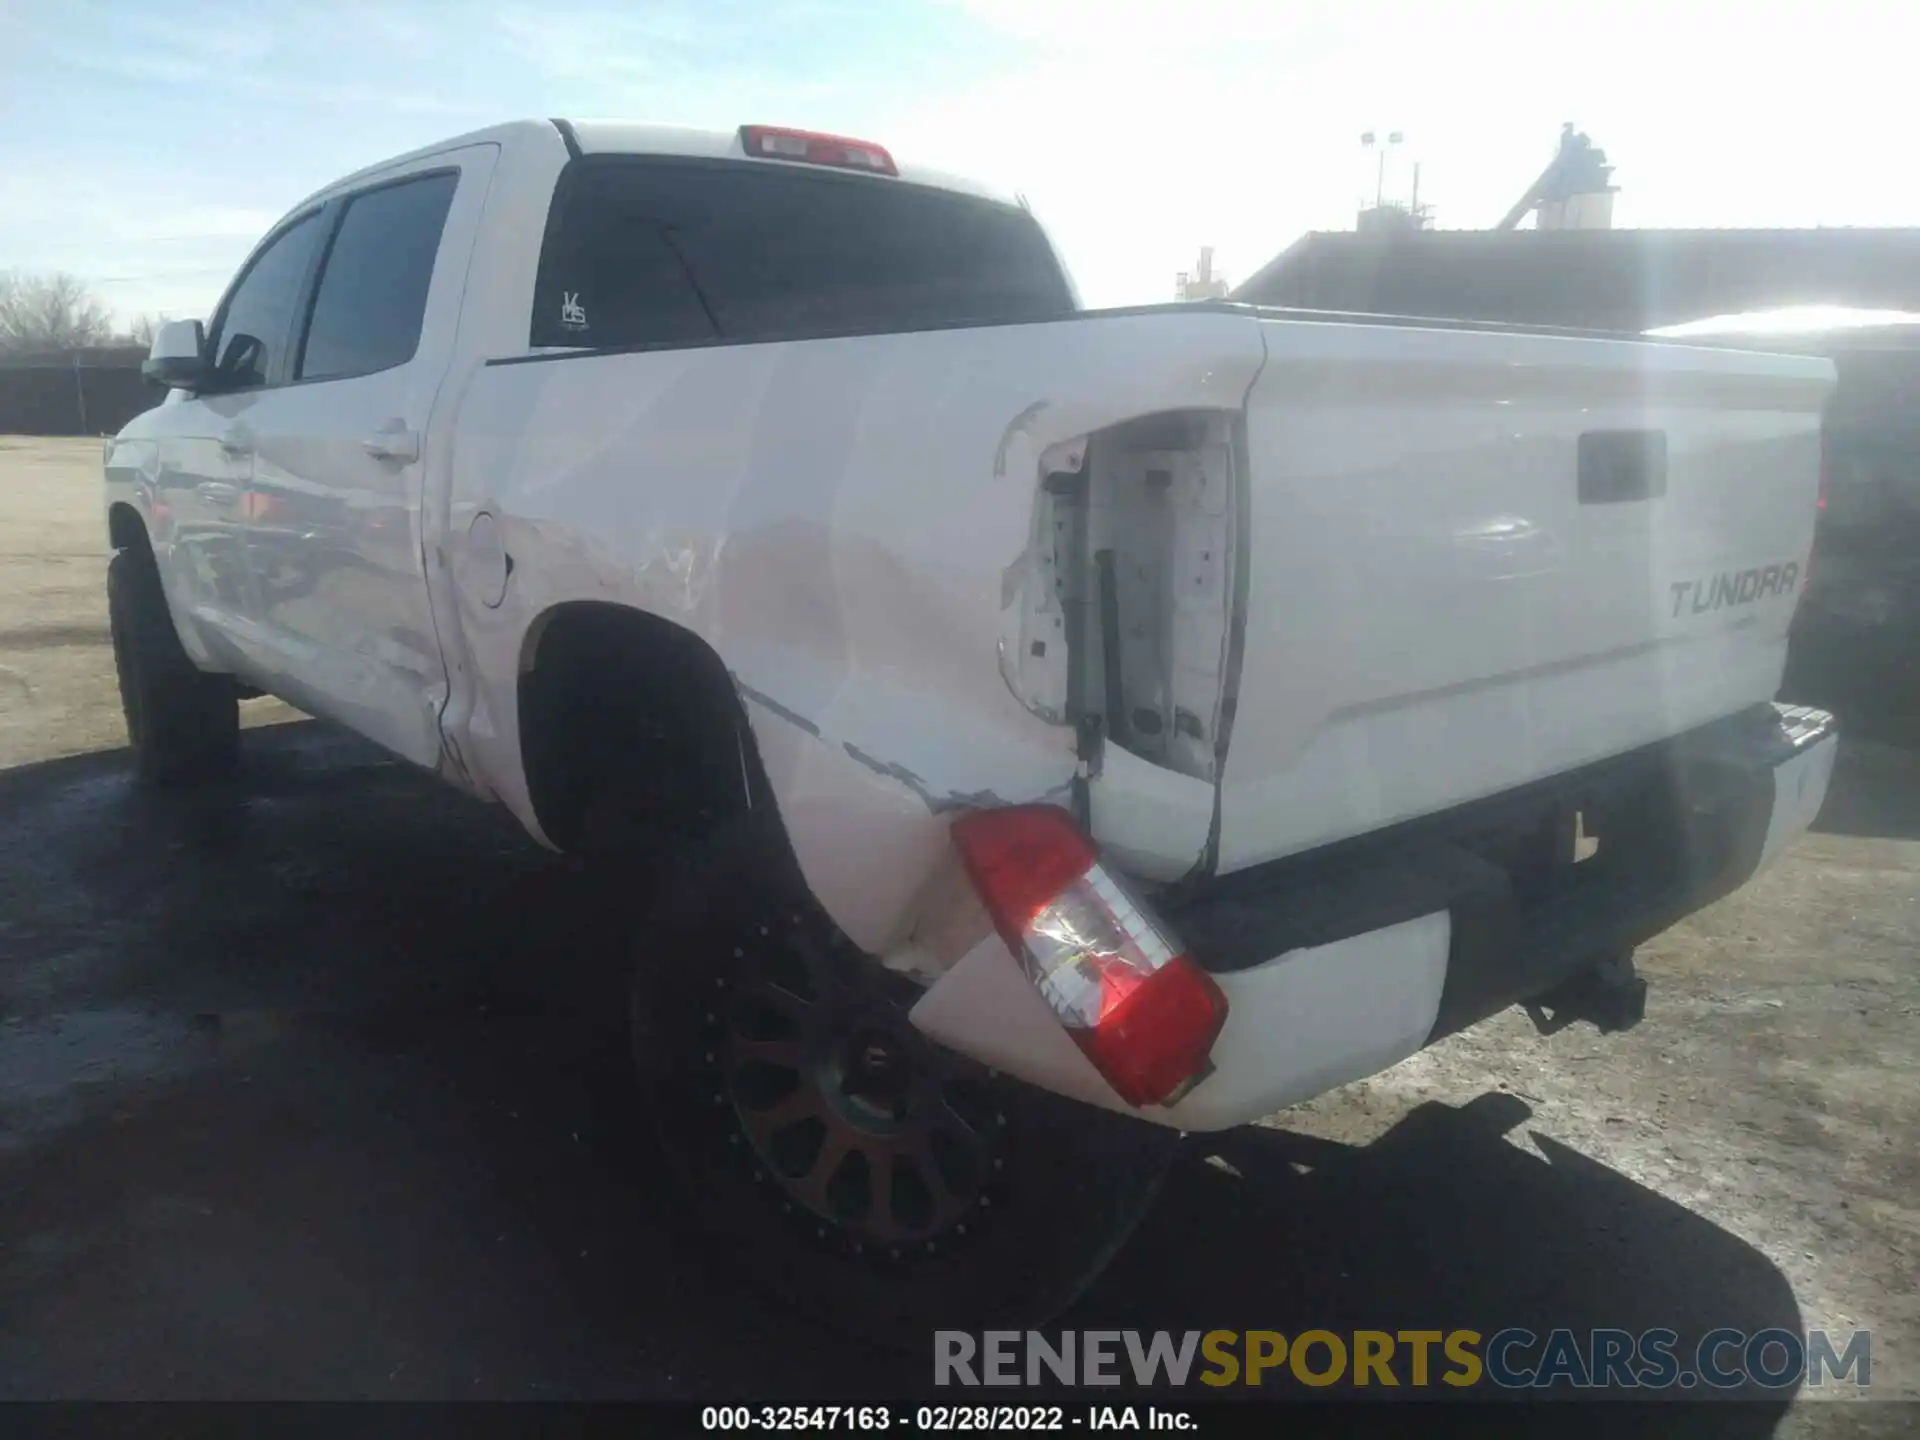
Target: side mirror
(178, 359)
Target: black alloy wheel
(832, 1154)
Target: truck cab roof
(635, 137)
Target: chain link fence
(77, 392)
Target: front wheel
(183, 724)
(835, 1155)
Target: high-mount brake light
(808, 147)
(1108, 968)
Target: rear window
(658, 252)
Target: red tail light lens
(1108, 968)
(808, 147)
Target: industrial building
(1574, 269)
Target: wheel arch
(618, 705)
(126, 528)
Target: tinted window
(254, 327)
(373, 286)
(650, 251)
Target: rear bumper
(1339, 963)
(1725, 802)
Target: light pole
(1394, 137)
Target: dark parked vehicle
(1856, 635)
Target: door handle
(393, 443)
(215, 492)
(237, 440)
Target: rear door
(334, 529)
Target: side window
(258, 317)
(373, 286)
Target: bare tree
(143, 328)
(50, 312)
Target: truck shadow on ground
(1442, 1223)
(319, 1087)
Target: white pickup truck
(1046, 731)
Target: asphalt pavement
(315, 1086)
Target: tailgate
(1474, 559)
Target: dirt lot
(310, 1089)
(57, 694)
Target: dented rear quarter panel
(838, 519)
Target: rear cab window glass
(372, 295)
(653, 251)
(256, 322)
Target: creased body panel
(838, 519)
(149, 466)
(1446, 601)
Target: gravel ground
(310, 1089)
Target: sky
(146, 144)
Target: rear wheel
(834, 1154)
(183, 724)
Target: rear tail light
(810, 148)
(1110, 971)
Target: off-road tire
(183, 724)
(1062, 1189)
